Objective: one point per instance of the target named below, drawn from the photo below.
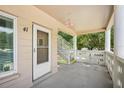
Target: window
(7, 44)
(42, 47)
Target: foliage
(6, 40)
(3, 40)
(7, 68)
(73, 61)
(90, 41)
(62, 61)
(94, 40)
(66, 36)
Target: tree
(90, 41)
(3, 40)
(6, 40)
(94, 40)
(10, 41)
(66, 36)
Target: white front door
(41, 51)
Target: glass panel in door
(42, 47)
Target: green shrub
(6, 68)
(73, 61)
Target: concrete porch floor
(78, 75)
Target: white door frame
(43, 68)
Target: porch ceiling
(81, 18)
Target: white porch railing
(91, 56)
(115, 66)
(67, 55)
(109, 60)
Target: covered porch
(36, 62)
(94, 68)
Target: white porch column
(108, 40)
(119, 31)
(75, 44)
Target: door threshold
(42, 78)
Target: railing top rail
(120, 59)
(92, 50)
(109, 53)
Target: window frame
(4, 74)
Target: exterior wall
(26, 16)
